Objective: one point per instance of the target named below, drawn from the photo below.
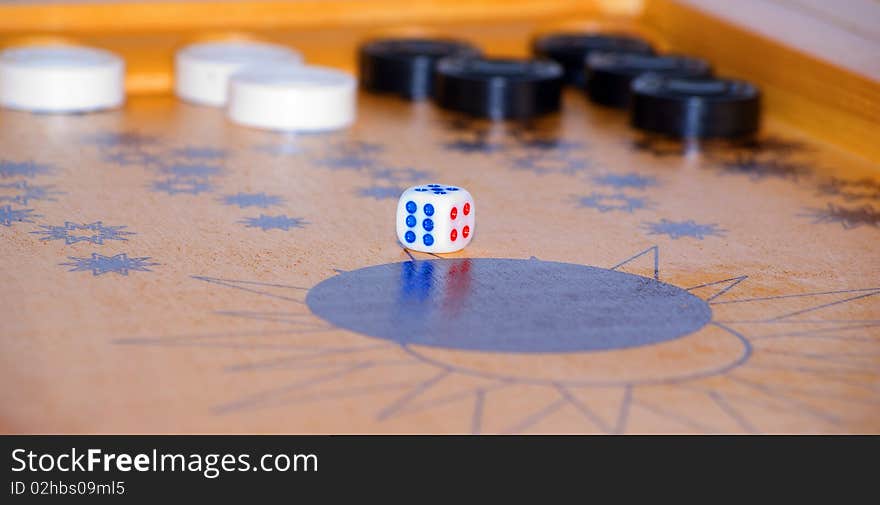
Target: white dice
(435, 218)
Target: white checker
(305, 98)
(435, 218)
(61, 79)
(202, 71)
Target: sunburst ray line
(411, 257)
(536, 417)
(229, 345)
(386, 363)
(802, 321)
(823, 376)
(799, 295)
(306, 330)
(258, 398)
(389, 410)
(831, 355)
(834, 395)
(583, 409)
(329, 395)
(477, 416)
(286, 360)
(838, 366)
(333, 364)
(299, 325)
(824, 393)
(304, 323)
(821, 372)
(823, 306)
(444, 400)
(820, 336)
(771, 403)
(623, 415)
(836, 371)
(234, 285)
(736, 280)
(738, 417)
(656, 251)
(819, 331)
(205, 336)
(296, 360)
(220, 341)
(861, 403)
(849, 365)
(256, 314)
(252, 283)
(796, 404)
(685, 421)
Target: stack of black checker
(667, 94)
(459, 78)
(672, 95)
(405, 66)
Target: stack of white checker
(261, 85)
(265, 86)
(61, 79)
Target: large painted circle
(507, 305)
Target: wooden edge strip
(825, 100)
(279, 14)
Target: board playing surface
(165, 271)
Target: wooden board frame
(159, 259)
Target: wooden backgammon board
(163, 270)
